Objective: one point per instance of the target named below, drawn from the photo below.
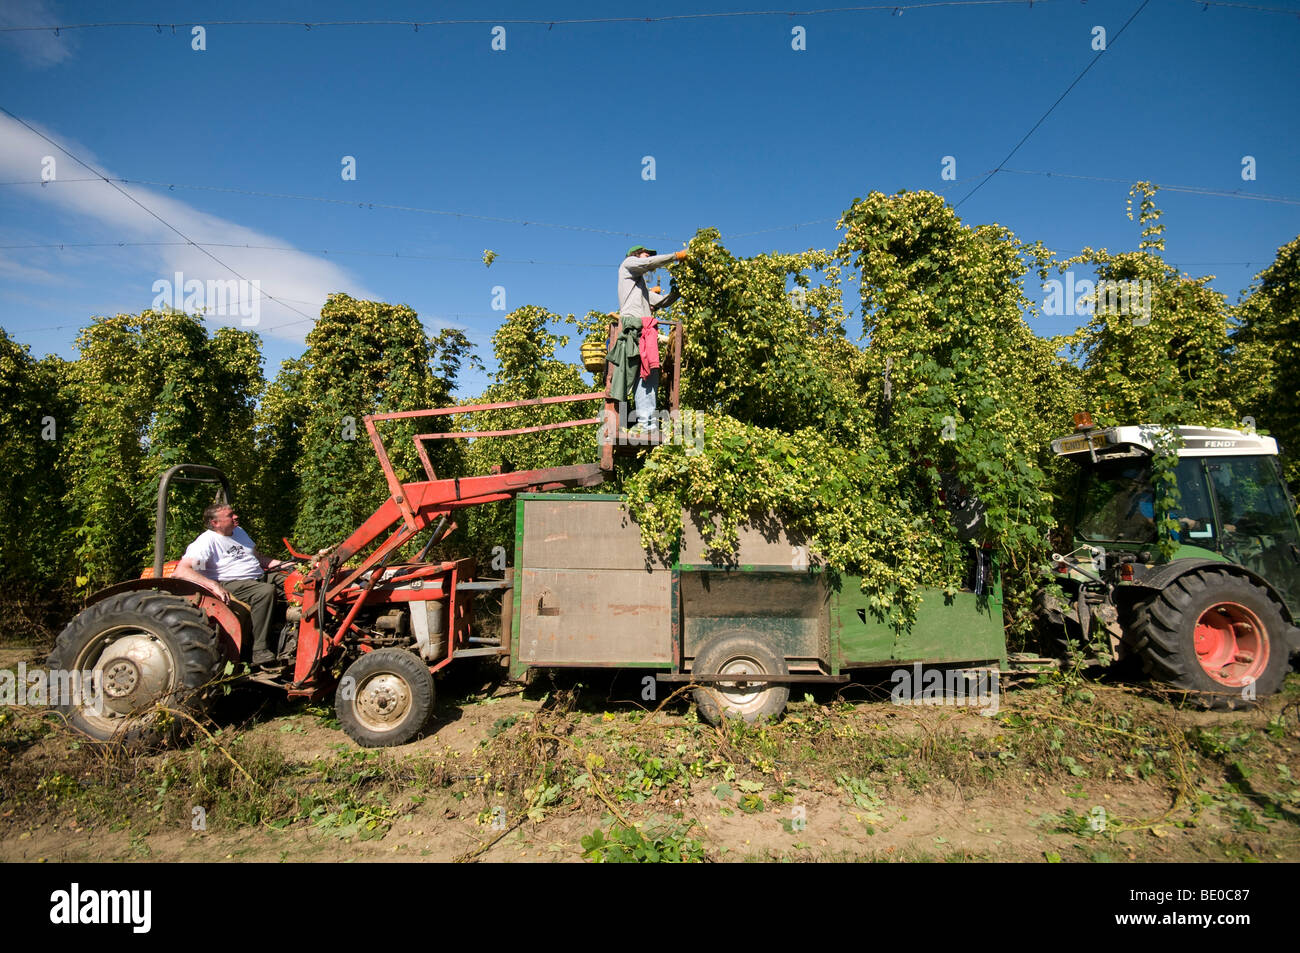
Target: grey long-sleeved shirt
(634, 298)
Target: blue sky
(748, 135)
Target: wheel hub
(120, 678)
(740, 694)
(133, 672)
(383, 701)
(1231, 644)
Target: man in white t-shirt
(225, 562)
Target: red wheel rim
(1231, 644)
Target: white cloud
(36, 48)
(298, 278)
(20, 272)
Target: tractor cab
(1232, 503)
(1216, 616)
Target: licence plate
(1075, 444)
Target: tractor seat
(240, 609)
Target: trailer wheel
(133, 655)
(739, 654)
(1216, 634)
(384, 698)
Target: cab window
(1259, 529)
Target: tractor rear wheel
(134, 656)
(384, 698)
(1213, 633)
(739, 654)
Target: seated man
(225, 562)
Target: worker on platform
(635, 354)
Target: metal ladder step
(484, 585)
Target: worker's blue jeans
(644, 397)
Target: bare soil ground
(1068, 770)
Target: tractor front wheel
(119, 666)
(384, 698)
(739, 654)
(1216, 634)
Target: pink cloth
(649, 345)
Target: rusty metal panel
(583, 534)
(763, 542)
(789, 609)
(575, 616)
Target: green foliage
(150, 392)
(362, 357)
(840, 497)
(864, 448)
(1167, 366)
(153, 390)
(105, 451)
(1166, 496)
(670, 844)
(277, 437)
(760, 353)
(948, 400)
(449, 352)
(302, 418)
(230, 419)
(974, 394)
(863, 796)
(349, 816)
(1266, 354)
(35, 535)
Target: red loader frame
(333, 593)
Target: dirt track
(505, 775)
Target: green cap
(636, 248)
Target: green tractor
(1217, 618)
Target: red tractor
(360, 622)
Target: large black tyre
(1213, 633)
(739, 653)
(147, 652)
(385, 698)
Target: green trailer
(587, 595)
